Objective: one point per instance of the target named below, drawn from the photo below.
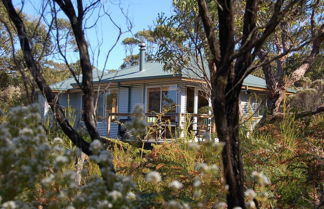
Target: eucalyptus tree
(144, 36)
(291, 51)
(76, 14)
(12, 63)
(222, 41)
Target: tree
(12, 61)
(145, 36)
(76, 15)
(290, 53)
(221, 41)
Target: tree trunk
(226, 111)
(276, 85)
(76, 21)
(35, 70)
(81, 157)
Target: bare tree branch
(44, 88)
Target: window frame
(172, 87)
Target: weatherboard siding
(123, 101)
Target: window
(162, 99)
(100, 107)
(169, 99)
(203, 104)
(111, 104)
(154, 99)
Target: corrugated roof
(63, 85)
(151, 70)
(254, 81)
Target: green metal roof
(63, 85)
(254, 81)
(151, 70)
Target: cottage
(156, 91)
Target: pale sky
(142, 14)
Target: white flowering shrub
(176, 175)
(36, 172)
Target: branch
(35, 70)
(318, 110)
(85, 63)
(209, 30)
(304, 67)
(249, 22)
(226, 34)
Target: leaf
(159, 166)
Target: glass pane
(154, 100)
(169, 99)
(203, 105)
(190, 99)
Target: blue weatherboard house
(156, 91)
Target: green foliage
(180, 174)
(131, 41)
(37, 172)
(308, 97)
(289, 156)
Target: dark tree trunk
(226, 111)
(35, 70)
(76, 21)
(228, 68)
(277, 85)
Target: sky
(101, 38)
(142, 14)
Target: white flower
(185, 205)
(226, 187)
(58, 140)
(104, 156)
(70, 207)
(220, 205)
(250, 194)
(250, 204)
(201, 167)
(173, 204)
(153, 177)
(104, 204)
(95, 146)
(213, 168)
(175, 185)
(261, 178)
(237, 207)
(9, 205)
(197, 183)
(197, 193)
(25, 131)
(115, 195)
(130, 196)
(61, 159)
(48, 180)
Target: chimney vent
(141, 56)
